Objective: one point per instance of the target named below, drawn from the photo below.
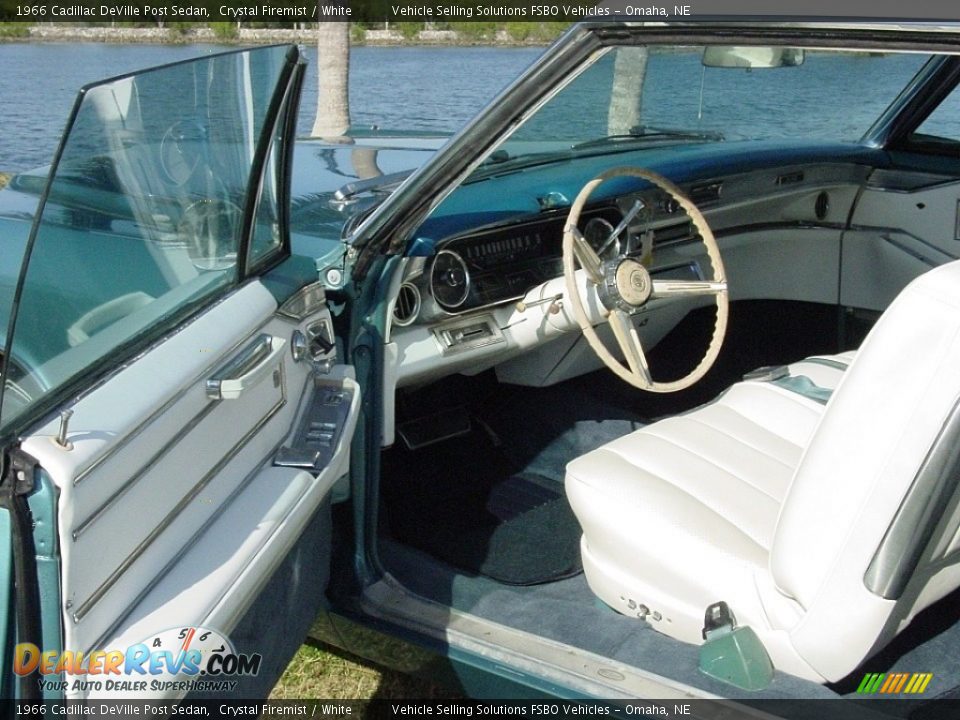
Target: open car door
(174, 417)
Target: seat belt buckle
(717, 617)
(767, 373)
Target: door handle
(246, 369)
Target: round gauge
(596, 232)
(449, 279)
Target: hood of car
(336, 183)
(319, 214)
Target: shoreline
(359, 36)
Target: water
(412, 88)
(828, 97)
(439, 89)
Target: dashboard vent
(407, 307)
(706, 194)
(680, 232)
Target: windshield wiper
(497, 157)
(643, 133)
(505, 163)
(378, 183)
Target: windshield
(668, 95)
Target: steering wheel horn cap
(633, 282)
(626, 285)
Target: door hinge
(21, 469)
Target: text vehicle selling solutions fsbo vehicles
(643, 385)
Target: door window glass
(143, 217)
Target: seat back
(868, 532)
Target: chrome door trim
(156, 457)
(147, 421)
(112, 579)
(121, 617)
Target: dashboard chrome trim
(450, 343)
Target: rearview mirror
(727, 56)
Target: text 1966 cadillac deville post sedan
(644, 385)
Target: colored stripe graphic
(922, 680)
(870, 683)
(894, 683)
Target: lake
(410, 88)
(439, 88)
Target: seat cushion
(682, 513)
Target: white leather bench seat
(826, 521)
(712, 482)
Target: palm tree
(629, 72)
(333, 66)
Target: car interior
(806, 479)
(666, 396)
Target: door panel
(171, 513)
(191, 427)
(903, 225)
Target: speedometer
(597, 232)
(449, 279)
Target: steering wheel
(209, 227)
(623, 286)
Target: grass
(318, 671)
(14, 30)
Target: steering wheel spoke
(678, 288)
(586, 256)
(629, 342)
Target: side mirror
(751, 56)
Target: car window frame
(917, 99)
(285, 123)
(284, 94)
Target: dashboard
(500, 263)
(486, 287)
(798, 224)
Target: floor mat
(465, 504)
(525, 534)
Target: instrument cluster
(502, 263)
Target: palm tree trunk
(333, 66)
(629, 71)
(364, 161)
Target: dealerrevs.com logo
(175, 661)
